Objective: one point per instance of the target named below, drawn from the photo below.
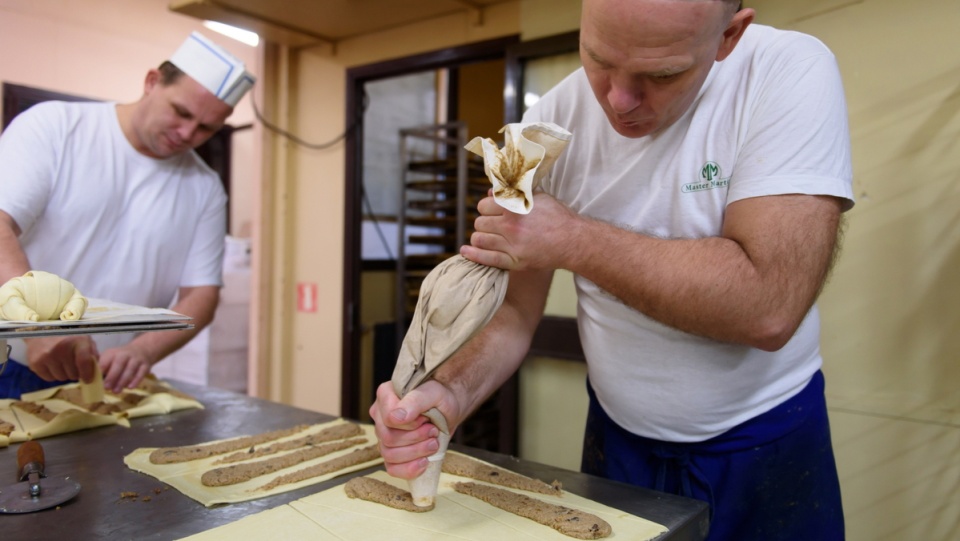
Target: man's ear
(151, 81)
(734, 31)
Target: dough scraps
(465, 466)
(186, 476)
(374, 490)
(567, 521)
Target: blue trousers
(16, 379)
(772, 478)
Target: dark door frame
(356, 78)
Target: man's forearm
(488, 360)
(200, 304)
(751, 289)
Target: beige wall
(891, 310)
(303, 208)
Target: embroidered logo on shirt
(710, 178)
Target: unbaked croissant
(40, 296)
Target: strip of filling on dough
(464, 466)
(359, 456)
(6, 428)
(571, 522)
(75, 397)
(376, 491)
(153, 386)
(332, 433)
(174, 455)
(35, 409)
(239, 473)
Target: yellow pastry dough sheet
(331, 515)
(185, 476)
(71, 417)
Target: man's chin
(633, 130)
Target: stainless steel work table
(94, 458)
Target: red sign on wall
(306, 297)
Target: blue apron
(772, 478)
(16, 379)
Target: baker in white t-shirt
(698, 204)
(113, 198)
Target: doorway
(459, 76)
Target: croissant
(40, 296)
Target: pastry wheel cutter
(30, 493)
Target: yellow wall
(891, 311)
(303, 208)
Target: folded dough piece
(528, 152)
(40, 296)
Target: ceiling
(308, 22)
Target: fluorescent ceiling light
(239, 34)
(530, 98)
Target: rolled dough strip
(37, 410)
(376, 491)
(358, 456)
(571, 522)
(174, 455)
(464, 466)
(333, 433)
(239, 473)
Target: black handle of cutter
(29, 459)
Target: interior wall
(891, 307)
(303, 215)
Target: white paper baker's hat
(217, 70)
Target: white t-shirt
(770, 119)
(119, 225)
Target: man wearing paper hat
(113, 198)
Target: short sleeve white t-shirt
(770, 119)
(119, 225)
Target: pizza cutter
(30, 494)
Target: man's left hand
(124, 367)
(535, 241)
